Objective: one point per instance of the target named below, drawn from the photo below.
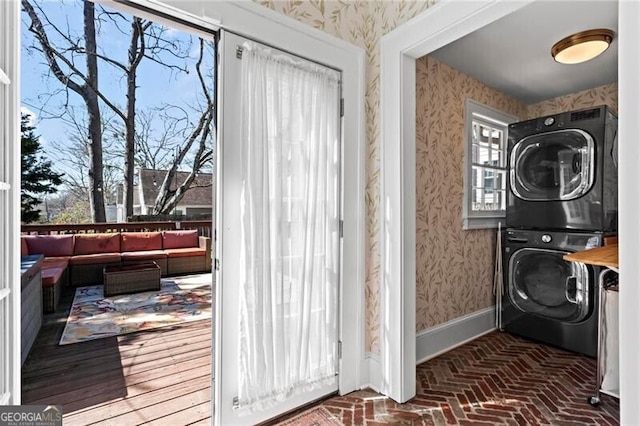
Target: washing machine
(562, 172)
(547, 298)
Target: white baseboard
(442, 338)
(373, 367)
(435, 341)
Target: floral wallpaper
(363, 23)
(603, 95)
(454, 267)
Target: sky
(157, 85)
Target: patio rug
(180, 299)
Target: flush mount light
(582, 46)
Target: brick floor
(497, 379)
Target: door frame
(437, 26)
(259, 23)
(628, 206)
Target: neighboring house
(197, 200)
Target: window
(485, 183)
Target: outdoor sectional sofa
(79, 259)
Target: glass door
(553, 166)
(278, 220)
(541, 282)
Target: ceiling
(513, 55)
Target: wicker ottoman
(122, 279)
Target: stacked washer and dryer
(562, 198)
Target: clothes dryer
(547, 298)
(562, 172)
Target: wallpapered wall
(455, 267)
(363, 23)
(603, 95)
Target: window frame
(475, 111)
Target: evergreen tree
(37, 176)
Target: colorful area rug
(180, 299)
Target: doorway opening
(120, 112)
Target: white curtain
(290, 226)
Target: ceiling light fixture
(582, 46)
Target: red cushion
(185, 252)
(179, 239)
(50, 245)
(96, 243)
(55, 262)
(24, 249)
(141, 241)
(51, 276)
(144, 255)
(91, 259)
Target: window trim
(485, 219)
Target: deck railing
(204, 227)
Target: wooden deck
(160, 377)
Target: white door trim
(437, 26)
(629, 205)
(10, 174)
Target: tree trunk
(130, 145)
(136, 53)
(93, 110)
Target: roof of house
(199, 194)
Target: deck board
(160, 376)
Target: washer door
(552, 166)
(542, 283)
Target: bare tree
(167, 138)
(199, 136)
(146, 41)
(73, 152)
(84, 83)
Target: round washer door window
(542, 283)
(552, 166)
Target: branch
(51, 53)
(136, 54)
(108, 103)
(110, 15)
(113, 62)
(164, 64)
(205, 89)
(168, 199)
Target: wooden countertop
(602, 256)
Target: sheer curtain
(290, 226)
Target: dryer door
(544, 284)
(552, 166)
